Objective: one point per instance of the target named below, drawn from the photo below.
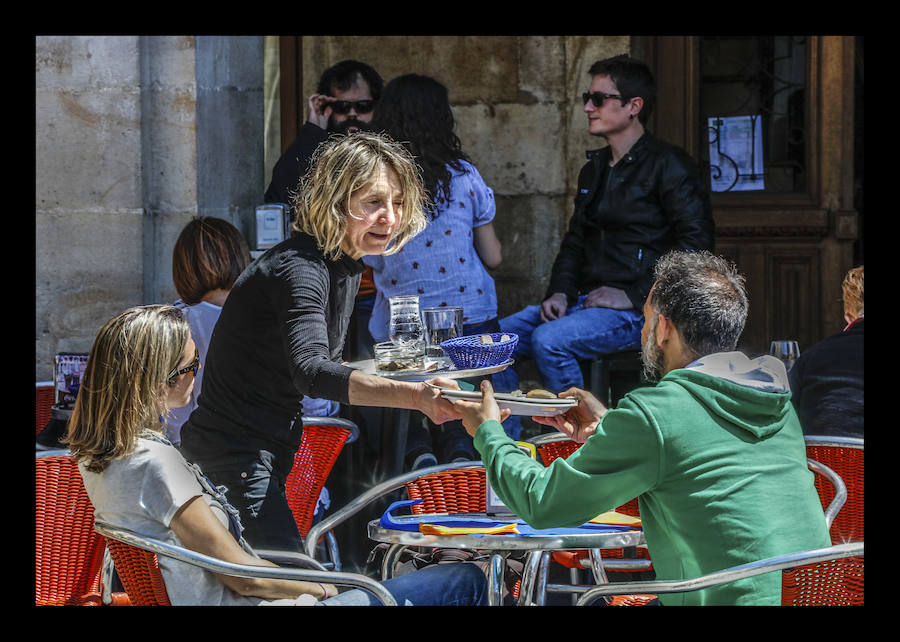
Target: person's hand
(319, 109)
(319, 591)
(554, 307)
(430, 401)
(607, 297)
(475, 413)
(579, 422)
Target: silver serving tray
(433, 368)
(516, 404)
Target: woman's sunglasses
(192, 367)
(344, 106)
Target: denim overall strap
(219, 494)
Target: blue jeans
(557, 346)
(451, 584)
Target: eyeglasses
(598, 97)
(344, 106)
(192, 367)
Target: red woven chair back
(849, 463)
(831, 583)
(452, 491)
(43, 406)
(140, 575)
(68, 552)
(554, 449)
(319, 448)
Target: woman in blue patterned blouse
(447, 264)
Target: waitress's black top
(279, 337)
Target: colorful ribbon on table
(618, 519)
(438, 529)
(433, 525)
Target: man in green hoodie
(713, 451)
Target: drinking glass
(441, 324)
(787, 350)
(406, 323)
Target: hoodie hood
(752, 394)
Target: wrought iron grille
(762, 81)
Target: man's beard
(345, 125)
(652, 355)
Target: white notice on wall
(736, 153)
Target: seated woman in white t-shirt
(142, 364)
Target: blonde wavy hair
(341, 166)
(124, 386)
(854, 300)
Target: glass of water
(406, 323)
(787, 350)
(441, 324)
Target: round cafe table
(538, 542)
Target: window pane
(753, 113)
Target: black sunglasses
(344, 106)
(192, 367)
(598, 97)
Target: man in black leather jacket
(638, 198)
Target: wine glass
(787, 350)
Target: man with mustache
(714, 451)
(343, 103)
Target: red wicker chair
(452, 491)
(846, 457)
(837, 582)
(136, 560)
(44, 398)
(322, 441)
(68, 553)
(138, 570)
(831, 576)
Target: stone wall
(134, 136)
(88, 189)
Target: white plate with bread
(536, 403)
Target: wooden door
(791, 228)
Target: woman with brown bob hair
(282, 329)
(209, 256)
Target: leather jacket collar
(603, 154)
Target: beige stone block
(88, 268)
(508, 144)
(473, 68)
(541, 71)
(530, 229)
(172, 61)
(79, 62)
(87, 148)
